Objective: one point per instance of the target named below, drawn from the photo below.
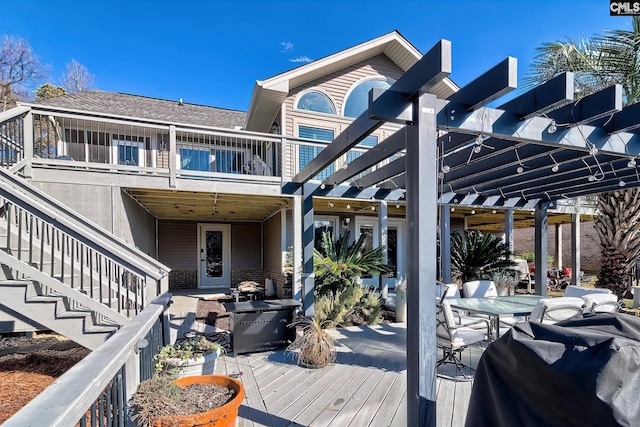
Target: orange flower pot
(224, 416)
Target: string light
(552, 127)
(348, 206)
(453, 209)
(397, 205)
(520, 169)
(632, 162)
(556, 166)
(330, 204)
(373, 208)
(446, 169)
(622, 183)
(493, 211)
(322, 186)
(473, 211)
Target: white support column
(28, 143)
(384, 241)
(308, 234)
(421, 263)
(558, 237)
(575, 249)
(509, 229)
(541, 248)
(445, 243)
(298, 221)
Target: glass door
(215, 255)
(395, 248)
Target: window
(309, 153)
(194, 160)
(369, 141)
(315, 101)
(128, 150)
(358, 100)
(322, 225)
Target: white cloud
(286, 46)
(300, 59)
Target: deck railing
(96, 390)
(12, 136)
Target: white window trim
(323, 92)
(142, 154)
(331, 218)
(399, 224)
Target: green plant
(314, 348)
(475, 255)
(340, 298)
(190, 348)
(505, 279)
(531, 257)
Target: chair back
(601, 303)
(444, 320)
(579, 291)
(451, 289)
(479, 289)
(553, 310)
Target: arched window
(316, 101)
(358, 100)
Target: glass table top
(517, 305)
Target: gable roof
(142, 107)
(268, 95)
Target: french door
(395, 247)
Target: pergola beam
(377, 153)
(601, 104)
(387, 171)
(493, 84)
(557, 91)
(434, 66)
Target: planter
(205, 365)
(224, 416)
(502, 291)
(401, 305)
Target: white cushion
(556, 309)
(480, 289)
(599, 302)
(579, 291)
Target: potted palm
(195, 355)
(475, 255)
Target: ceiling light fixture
(473, 211)
(330, 204)
(453, 209)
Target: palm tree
(477, 256)
(598, 62)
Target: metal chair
(453, 338)
(602, 303)
(553, 310)
(479, 289)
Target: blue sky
(212, 52)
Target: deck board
(365, 387)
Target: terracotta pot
(224, 416)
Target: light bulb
(397, 205)
(552, 127)
(477, 149)
(479, 140)
(453, 209)
(622, 183)
(446, 169)
(440, 174)
(555, 168)
(348, 206)
(473, 212)
(520, 169)
(330, 204)
(593, 151)
(591, 178)
(493, 211)
(322, 186)
(632, 163)
(373, 208)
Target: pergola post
(541, 248)
(575, 249)
(384, 242)
(421, 263)
(298, 215)
(508, 230)
(308, 235)
(445, 243)
(558, 236)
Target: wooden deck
(365, 387)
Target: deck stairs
(61, 271)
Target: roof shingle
(122, 104)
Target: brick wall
(589, 248)
(183, 279)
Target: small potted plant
(506, 281)
(195, 355)
(201, 400)
(314, 347)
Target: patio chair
(601, 303)
(479, 289)
(580, 291)
(447, 290)
(554, 310)
(453, 338)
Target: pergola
(527, 153)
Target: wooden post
(541, 249)
(421, 263)
(445, 243)
(575, 249)
(384, 241)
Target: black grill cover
(581, 372)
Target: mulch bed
(29, 365)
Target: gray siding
(246, 246)
(178, 244)
(272, 244)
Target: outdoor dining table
(494, 307)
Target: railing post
(173, 164)
(132, 373)
(284, 156)
(27, 130)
